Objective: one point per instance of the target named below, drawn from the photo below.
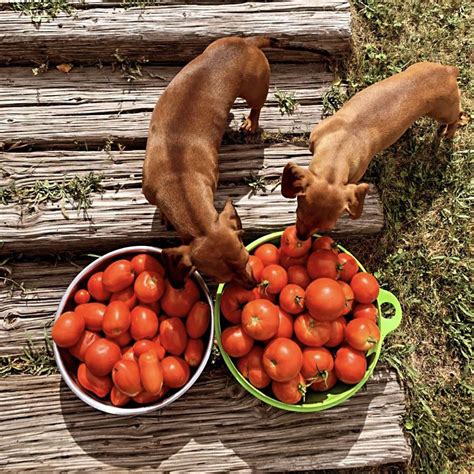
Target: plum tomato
(317, 362)
(292, 299)
(311, 332)
(324, 299)
(178, 302)
(117, 398)
(149, 286)
(173, 336)
(282, 359)
(323, 384)
(348, 295)
(350, 365)
(122, 340)
(348, 266)
(127, 296)
(68, 329)
(93, 314)
(365, 287)
(79, 349)
(233, 301)
(362, 334)
(116, 319)
(273, 279)
(96, 287)
(298, 275)
(194, 352)
(126, 377)
(98, 385)
(128, 353)
(291, 391)
(325, 243)
(365, 310)
(101, 356)
(82, 297)
(118, 275)
(198, 320)
(260, 319)
(143, 323)
(322, 264)
(151, 372)
(144, 262)
(235, 341)
(291, 245)
(256, 265)
(145, 345)
(337, 332)
(268, 254)
(175, 371)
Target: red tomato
(122, 340)
(285, 324)
(144, 398)
(93, 313)
(118, 398)
(298, 275)
(322, 264)
(173, 336)
(260, 319)
(79, 349)
(101, 356)
(68, 329)
(325, 243)
(325, 299)
(274, 278)
(118, 275)
(82, 297)
(257, 266)
(128, 353)
(149, 287)
(236, 342)
(362, 334)
(116, 319)
(337, 332)
(96, 287)
(145, 262)
(291, 391)
(178, 303)
(260, 293)
(287, 261)
(291, 245)
(155, 306)
(126, 377)
(145, 345)
(175, 371)
(143, 323)
(194, 351)
(365, 310)
(101, 386)
(316, 362)
(127, 296)
(151, 373)
(233, 301)
(292, 299)
(243, 362)
(348, 296)
(198, 320)
(282, 359)
(268, 254)
(350, 365)
(347, 266)
(365, 287)
(311, 332)
(256, 372)
(323, 384)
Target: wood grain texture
(122, 216)
(175, 33)
(89, 105)
(216, 426)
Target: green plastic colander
(340, 392)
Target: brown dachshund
(344, 144)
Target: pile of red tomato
(308, 323)
(132, 335)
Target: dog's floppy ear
(178, 264)
(355, 199)
(294, 181)
(230, 217)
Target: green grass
(287, 102)
(423, 254)
(42, 10)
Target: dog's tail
(270, 42)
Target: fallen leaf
(64, 67)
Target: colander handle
(387, 325)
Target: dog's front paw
(249, 126)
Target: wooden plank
(122, 216)
(216, 426)
(175, 33)
(89, 106)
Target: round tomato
(365, 310)
(348, 295)
(126, 377)
(236, 342)
(127, 296)
(146, 263)
(243, 362)
(350, 365)
(347, 266)
(233, 301)
(291, 391)
(178, 302)
(198, 320)
(117, 398)
(82, 297)
(316, 362)
(362, 334)
(285, 324)
(145, 345)
(324, 383)
(93, 314)
(194, 351)
(260, 319)
(311, 332)
(291, 245)
(365, 287)
(175, 371)
(256, 266)
(274, 278)
(118, 275)
(292, 299)
(256, 372)
(149, 287)
(268, 254)
(68, 329)
(151, 373)
(143, 323)
(325, 299)
(287, 261)
(325, 243)
(122, 340)
(79, 349)
(101, 356)
(101, 386)
(337, 332)
(322, 264)
(96, 287)
(298, 275)
(282, 359)
(173, 336)
(260, 293)
(116, 319)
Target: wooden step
(90, 106)
(216, 426)
(122, 216)
(174, 33)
